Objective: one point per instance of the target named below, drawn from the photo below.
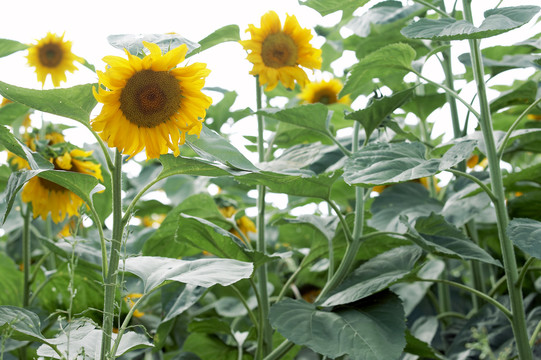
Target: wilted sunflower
(148, 103)
(52, 56)
(48, 197)
(325, 92)
(278, 53)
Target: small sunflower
(244, 223)
(29, 138)
(325, 92)
(52, 56)
(130, 300)
(48, 197)
(278, 53)
(150, 103)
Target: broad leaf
(14, 145)
(133, 43)
(435, 235)
(21, 323)
(214, 147)
(15, 183)
(154, 270)
(373, 115)
(374, 275)
(8, 47)
(75, 103)
(387, 163)
(526, 235)
(226, 33)
(325, 226)
(497, 21)
(221, 111)
(178, 165)
(410, 199)
(310, 116)
(326, 7)
(83, 185)
(11, 281)
(11, 112)
(373, 329)
(189, 296)
(391, 59)
(210, 347)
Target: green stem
(129, 210)
(482, 185)
(246, 306)
(524, 270)
(503, 144)
(265, 329)
(508, 253)
(450, 92)
(26, 255)
(478, 270)
(280, 351)
(479, 294)
(114, 258)
(339, 144)
(430, 6)
(342, 220)
(103, 245)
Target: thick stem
(114, 258)
(26, 255)
(265, 329)
(508, 252)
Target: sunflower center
(51, 186)
(325, 97)
(279, 50)
(150, 98)
(50, 55)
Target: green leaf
(372, 116)
(178, 165)
(437, 236)
(11, 143)
(524, 94)
(392, 59)
(526, 235)
(15, 183)
(418, 340)
(11, 281)
(310, 116)
(83, 185)
(210, 326)
(75, 103)
(318, 186)
(154, 270)
(214, 147)
(208, 347)
(525, 206)
(324, 225)
(426, 100)
(133, 43)
(23, 324)
(226, 33)
(373, 329)
(8, 47)
(189, 296)
(220, 112)
(326, 7)
(497, 21)
(387, 163)
(410, 199)
(11, 112)
(374, 275)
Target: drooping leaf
(189, 296)
(373, 329)
(214, 147)
(326, 7)
(14, 145)
(386, 163)
(526, 235)
(310, 116)
(410, 199)
(374, 275)
(372, 116)
(154, 270)
(8, 47)
(75, 103)
(497, 21)
(23, 324)
(392, 59)
(15, 183)
(226, 33)
(318, 186)
(435, 235)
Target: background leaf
(8, 47)
(526, 235)
(226, 33)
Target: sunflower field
(389, 211)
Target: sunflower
(149, 104)
(48, 197)
(278, 53)
(52, 136)
(325, 92)
(52, 56)
(244, 223)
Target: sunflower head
(50, 198)
(325, 92)
(52, 56)
(278, 53)
(150, 103)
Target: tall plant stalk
(265, 330)
(114, 258)
(509, 261)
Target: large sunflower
(48, 197)
(278, 53)
(149, 103)
(52, 56)
(325, 92)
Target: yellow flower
(149, 103)
(325, 92)
(244, 223)
(423, 181)
(278, 53)
(130, 301)
(152, 220)
(29, 139)
(52, 56)
(534, 116)
(47, 197)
